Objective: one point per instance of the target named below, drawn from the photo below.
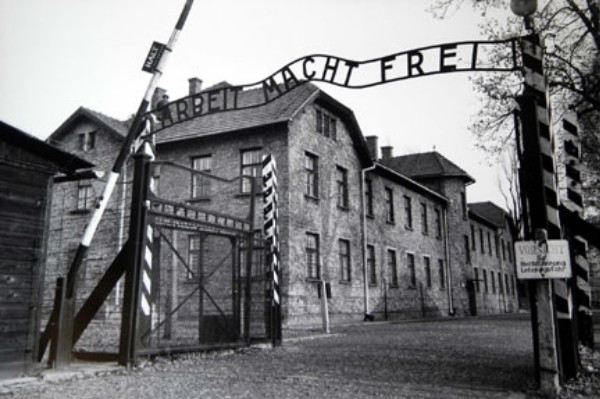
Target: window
(493, 282)
(392, 267)
(326, 124)
(497, 245)
(485, 280)
(389, 205)
(473, 241)
(489, 239)
(424, 226)
(84, 193)
(251, 166)
(201, 183)
(509, 250)
(408, 213)
(506, 283)
(427, 262)
(467, 250)
(503, 250)
(312, 175)
(342, 187)
(410, 259)
(476, 279)
(369, 196)
(438, 224)
(87, 141)
(371, 267)
(500, 288)
(481, 241)
(463, 202)
(194, 249)
(344, 254)
(442, 274)
(312, 255)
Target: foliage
(570, 31)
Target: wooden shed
(27, 168)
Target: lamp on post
(524, 8)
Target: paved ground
(457, 358)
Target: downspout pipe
(364, 240)
(448, 263)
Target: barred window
(369, 196)
(410, 259)
(442, 273)
(371, 266)
(312, 255)
(392, 267)
(389, 205)
(424, 224)
(344, 255)
(427, 262)
(408, 213)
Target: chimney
(386, 152)
(195, 85)
(372, 146)
(157, 96)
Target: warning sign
(543, 260)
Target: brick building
(386, 233)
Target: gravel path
(459, 358)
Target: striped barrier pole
(574, 202)
(137, 293)
(271, 231)
(137, 126)
(538, 181)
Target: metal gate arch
(197, 279)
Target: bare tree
(570, 32)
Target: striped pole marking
(536, 84)
(271, 227)
(572, 146)
(146, 294)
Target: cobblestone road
(460, 358)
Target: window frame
(392, 262)
(412, 273)
(255, 167)
(371, 264)
(345, 260)
(408, 221)
(388, 194)
(205, 182)
(313, 269)
(312, 175)
(342, 189)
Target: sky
(61, 54)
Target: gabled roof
(280, 110)
(64, 161)
(252, 113)
(489, 212)
(117, 128)
(426, 165)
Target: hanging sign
(153, 57)
(425, 61)
(535, 260)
